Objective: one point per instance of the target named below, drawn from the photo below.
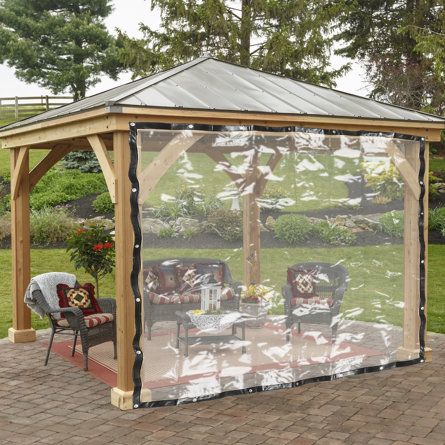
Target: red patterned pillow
(186, 277)
(151, 279)
(302, 282)
(79, 296)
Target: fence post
(16, 107)
(47, 102)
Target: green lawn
(35, 156)
(437, 164)
(375, 288)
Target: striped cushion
(193, 297)
(90, 320)
(297, 301)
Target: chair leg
(288, 329)
(74, 343)
(299, 327)
(53, 331)
(334, 333)
(85, 361)
(114, 349)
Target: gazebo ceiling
(212, 85)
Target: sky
(128, 18)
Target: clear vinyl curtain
(271, 257)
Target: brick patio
(63, 404)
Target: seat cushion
(81, 297)
(187, 297)
(90, 320)
(298, 301)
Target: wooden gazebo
(204, 91)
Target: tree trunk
(245, 32)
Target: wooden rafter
(106, 164)
(409, 175)
(20, 167)
(54, 156)
(154, 171)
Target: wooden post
(16, 107)
(251, 239)
(122, 394)
(428, 350)
(21, 330)
(410, 348)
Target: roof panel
(210, 84)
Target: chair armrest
(108, 305)
(67, 310)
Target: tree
(59, 44)
(395, 41)
(287, 37)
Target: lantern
(211, 295)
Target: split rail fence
(15, 108)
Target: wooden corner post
(21, 330)
(122, 394)
(411, 285)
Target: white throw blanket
(47, 284)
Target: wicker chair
(329, 286)
(75, 323)
(167, 312)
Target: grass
(374, 294)
(35, 156)
(437, 164)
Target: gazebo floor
(62, 404)
(269, 359)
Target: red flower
(108, 245)
(81, 230)
(98, 247)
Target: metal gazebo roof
(210, 84)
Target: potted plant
(92, 248)
(253, 300)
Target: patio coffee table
(184, 320)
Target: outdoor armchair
(313, 294)
(93, 329)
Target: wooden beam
(272, 163)
(226, 166)
(51, 159)
(404, 167)
(21, 165)
(21, 330)
(122, 393)
(106, 164)
(154, 171)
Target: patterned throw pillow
(79, 296)
(302, 282)
(152, 279)
(205, 270)
(186, 277)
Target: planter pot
(255, 314)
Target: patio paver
(63, 404)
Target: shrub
(293, 229)
(92, 248)
(335, 235)
(84, 161)
(436, 219)
(103, 204)
(387, 183)
(5, 226)
(5, 204)
(188, 202)
(228, 224)
(167, 232)
(59, 187)
(273, 196)
(392, 223)
(49, 226)
(436, 186)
